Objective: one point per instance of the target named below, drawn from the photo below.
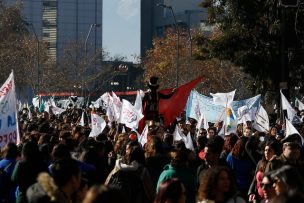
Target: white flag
(223, 99)
(299, 104)
(57, 111)
(98, 124)
(178, 134)
(117, 105)
(144, 136)
(189, 142)
(35, 101)
(8, 112)
(19, 106)
(261, 120)
(129, 115)
(286, 106)
(81, 123)
(138, 102)
(29, 112)
(202, 122)
(106, 98)
(290, 129)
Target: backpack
(5, 180)
(130, 184)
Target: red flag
(171, 108)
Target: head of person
(287, 178)
(247, 132)
(267, 186)
(273, 131)
(66, 173)
(203, 132)
(105, 194)
(211, 132)
(10, 151)
(171, 190)
(213, 150)
(30, 151)
(239, 129)
(291, 150)
(60, 151)
(179, 158)
(134, 152)
(217, 180)
(153, 84)
(238, 150)
(271, 149)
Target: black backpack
(5, 181)
(130, 184)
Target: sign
(198, 104)
(8, 112)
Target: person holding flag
(151, 101)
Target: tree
(218, 75)
(12, 30)
(250, 33)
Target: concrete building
(60, 22)
(155, 19)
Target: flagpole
(226, 116)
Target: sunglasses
(266, 185)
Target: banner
(8, 112)
(198, 103)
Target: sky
(121, 28)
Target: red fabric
(171, 108)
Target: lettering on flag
(130, 116)
(8, 112)
(98, 124)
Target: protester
(131, 175)
(27, 169)
(212, 154)
(241, 164)
(171, 190)
(267, 187)
(287, 178)
(218, 185)
(272, 149)
(7, 164)
(178, 169)
(61, 187)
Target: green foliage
(248, 33)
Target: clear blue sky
(121, 28)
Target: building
(60, 22)
(155, 19)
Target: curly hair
(209, 181)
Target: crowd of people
(57, 161)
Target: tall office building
(60, 22)
(155, 19)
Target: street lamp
(38, 56)
(177, 33)
(94, 25)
